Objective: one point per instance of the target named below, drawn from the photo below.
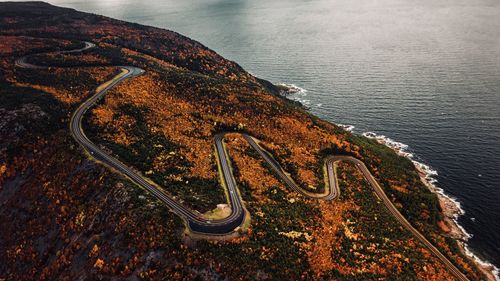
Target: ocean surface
(424, 73)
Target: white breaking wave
(348, 128)
(430, 174)
(297, 93)
(294, 89)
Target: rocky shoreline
(451, 208)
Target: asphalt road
(394, 211)
(194, 220)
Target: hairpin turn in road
(194, 220)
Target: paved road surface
(195, 221)
(394, 211)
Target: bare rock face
(28, 111)
(14, 122)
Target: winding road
(195, 221)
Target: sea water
(425, 74)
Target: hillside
(66, 216)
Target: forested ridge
(73, 217)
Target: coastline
(451, 208)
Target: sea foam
(431, 181)
(296, 93)
(429, 174)
(348, 128)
